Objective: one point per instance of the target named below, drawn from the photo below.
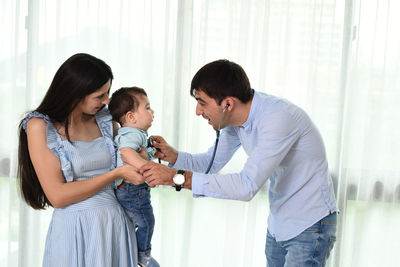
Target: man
(282, 144)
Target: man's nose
(199, 110)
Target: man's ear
(228, 103)
(130, 117)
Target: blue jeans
(310, 248)
(135, 199)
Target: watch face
(179, 179)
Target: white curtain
(337, 59)
(369, 156)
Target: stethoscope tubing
(216, 142)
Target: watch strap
(180, 186)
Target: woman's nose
(106, 99)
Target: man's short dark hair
(220, 79)
(124, 100)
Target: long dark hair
(78, 76)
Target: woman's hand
(131, 174)
(164, 150)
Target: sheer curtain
(337, 59)
(369, 171)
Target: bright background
(337, 59)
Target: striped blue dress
(95, 231)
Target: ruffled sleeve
(54, 143)
(34, 114)
(104, 120)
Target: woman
(67, 160)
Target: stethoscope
(150, 141)
(216, 140)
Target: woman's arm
(48, 169)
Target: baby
(130, 107)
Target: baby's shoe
(146, 260)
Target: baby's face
(144, 113)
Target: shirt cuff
(198, 182)
(179, 163)
(198, 179)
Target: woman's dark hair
(79, 76)
(124, 100)
(220, 79)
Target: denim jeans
(135, 199)
(310, 248)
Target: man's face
(209, 109)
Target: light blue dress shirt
(284, 146)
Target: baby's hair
(124, 100)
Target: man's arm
(275, 136)
(228, 144)
(158, 174)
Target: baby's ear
(130, 117)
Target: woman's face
(95, 101)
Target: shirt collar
(126, 129)
(247, 124)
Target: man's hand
(157, 174)
(164, 150)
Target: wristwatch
(179, 180)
